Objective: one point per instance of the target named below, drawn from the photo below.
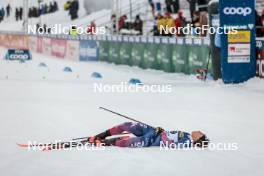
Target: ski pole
(118, 115)
(208, 63)
(129, 118)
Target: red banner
(46, 46)
(58, 47)
(14, 41)
(35, 44)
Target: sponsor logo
(239, 50)
(251, 26)
(58, 48)
(239, 37)
(91, 52)
(238, 59)
(19, 57)
(236, 27)
(237, 11)
(239, 53)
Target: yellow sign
(239, 37)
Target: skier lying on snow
(146, 136)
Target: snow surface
(47, 104)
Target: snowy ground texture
(47, 104)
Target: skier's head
(199, 139)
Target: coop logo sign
(18, 57)
(15, 54)
(238, 11)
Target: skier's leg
(132, 142)
(103, 135)
(134, 128)
(137, 129)
(119, 129)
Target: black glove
(159, 130)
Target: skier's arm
(143, 141)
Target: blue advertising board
(89, 50)
(18, 54)
(238, 55)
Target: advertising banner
(46, 46)
(260, 58)
(35, 44)
(103, 51)
(164, 56)
(238, 54)
(168, 54)
(150, 53)
(88, 50)
(239, 47)
(198, 57)
(73, 50)
(137, 54)
(114, 52)
(32, 42)
(180, 62)
(125, 53)
(18, 54)
(18, 42)
(58, 48)
(194, 60)
(14, 41)
(3, 40)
